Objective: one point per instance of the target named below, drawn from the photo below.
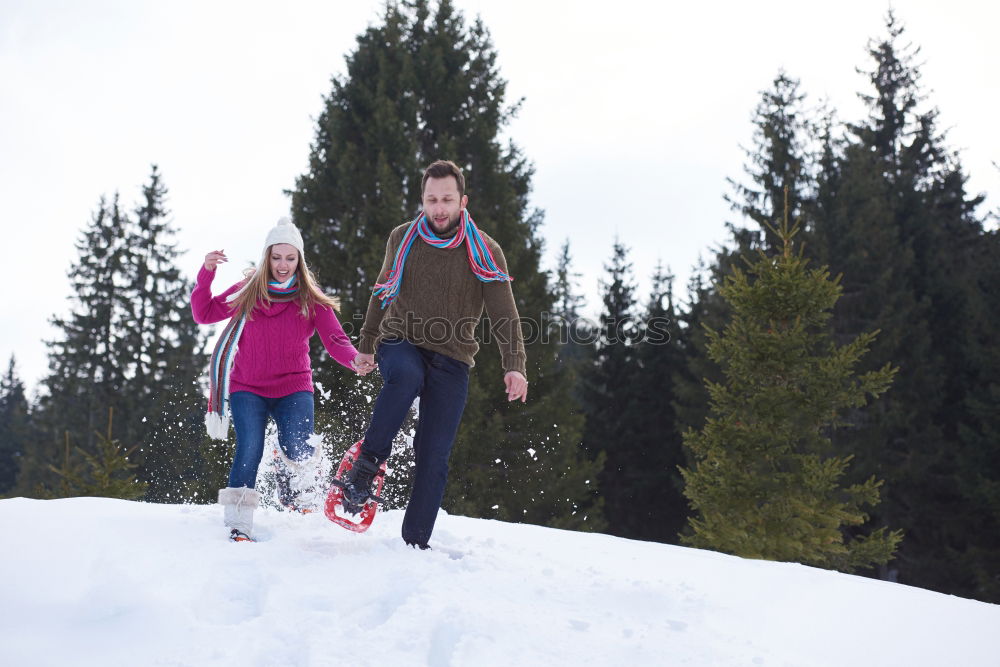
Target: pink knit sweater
(273, 355)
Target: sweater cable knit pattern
(273, 356)
(440, 302)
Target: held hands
(214, 258)
(517, 386)
(363, 364)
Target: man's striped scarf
(481, 260)
(221, 365)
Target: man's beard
(451, 226)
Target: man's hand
(363, 363)
(517, 386)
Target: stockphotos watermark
(546, 329)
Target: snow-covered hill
(92, 581)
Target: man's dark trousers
(442, 383)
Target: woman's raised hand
(214, 258)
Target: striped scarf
(221, 365)
(481, 260)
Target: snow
(94, 581)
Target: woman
(260, 367)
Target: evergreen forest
(824, 390)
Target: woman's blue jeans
(293, 415)
(442, 383)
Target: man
(439, 274)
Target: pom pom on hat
(285, 232)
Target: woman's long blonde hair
(255, 291)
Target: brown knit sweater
(440, 302)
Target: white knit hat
(285, 232)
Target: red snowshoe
(339, 510)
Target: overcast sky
(633, 115)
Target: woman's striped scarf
(481, 259)
(221, 365)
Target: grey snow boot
(299, 483)
(238, 505)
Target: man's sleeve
(375, 313)
(504, 321)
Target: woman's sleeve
(205, 308)
(334, 339)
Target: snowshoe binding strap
(354, 504)
(357, 486)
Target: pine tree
(609, 393)
(659, 509)
(15, 426)
(163, 406)
(128, 345)
(568, 302)
(828, 232)
(764, 483)
(884, 203)
(158, 303)
(977, 555)
(705, 309)
(779, 157)
(420, 86)
(567, 323)
(902, 231)
(778, 160)
(106, 472)
(88, 363)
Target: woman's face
(284, 259)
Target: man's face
(442, 203)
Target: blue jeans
(442, 383)
(293, 415)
